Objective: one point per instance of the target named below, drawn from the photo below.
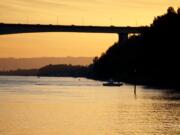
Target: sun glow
(79, 12)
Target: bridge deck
(32, 28)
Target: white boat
(112, 83)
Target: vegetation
(150, 58)
(20, 72)
(64, 71)
(61, 70)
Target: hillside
(150, 58)
(35, 63)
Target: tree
(95, 59)
(171, 10)
(178, 11)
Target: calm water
(77, 106)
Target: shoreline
(147, 85)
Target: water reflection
(86, 109)
(149, 116)
(172, 95)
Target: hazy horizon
(38, 62)
(45, 57)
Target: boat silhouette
(112, 83)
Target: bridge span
(36, 28)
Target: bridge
(36, 28)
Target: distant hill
(58, 70)
(20, 72)
(35, 63)
(65, 71)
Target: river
(79, 106)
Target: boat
(112, 83)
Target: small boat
(112, 83)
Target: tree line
(149, 58)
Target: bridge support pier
(122, 37)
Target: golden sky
(77, 12)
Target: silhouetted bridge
(36, 28)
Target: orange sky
(77, 12)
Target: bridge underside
(122, 37)
(32, 28)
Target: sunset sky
(77, 12)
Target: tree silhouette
(155, 54)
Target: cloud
(34, 5)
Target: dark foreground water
(78, 106)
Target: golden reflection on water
(90, 110)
